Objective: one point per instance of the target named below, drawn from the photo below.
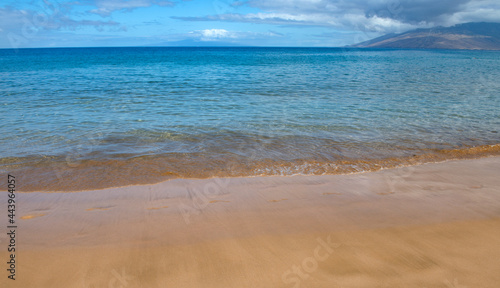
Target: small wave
(64, 174)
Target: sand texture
(434, 225)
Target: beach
(249, 167)
(430, 225)
(122, 116)
(148, 144)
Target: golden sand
(434, 225)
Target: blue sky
(90, 23)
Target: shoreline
(418, 226)
(59, 178)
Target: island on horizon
(469, 36)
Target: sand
(433, 225)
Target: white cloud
(22, 27)
(381, 16)
(214, 34)
(349, 20)
(225, 35)
(477, 11)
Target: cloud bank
(299, 22)
(358, 15)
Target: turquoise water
(201, 112)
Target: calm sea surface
(100, 117)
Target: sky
(297, 23)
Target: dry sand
(434, 225)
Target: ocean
(90, 118)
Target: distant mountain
(474, 36)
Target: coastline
(64, 175)
(429, 225)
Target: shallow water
(76, 118)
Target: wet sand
(433, 225)
(59, 173)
